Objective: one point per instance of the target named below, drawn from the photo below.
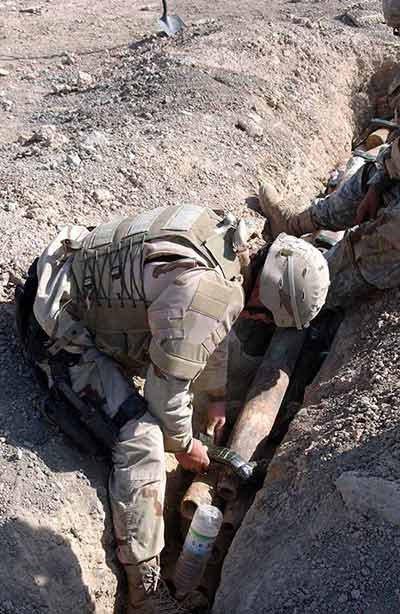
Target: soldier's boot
(279, 218)
(147, 593)
(142, 585)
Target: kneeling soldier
(157, 294)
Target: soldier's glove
(196, 460)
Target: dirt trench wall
(323, 534)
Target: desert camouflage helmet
(294, 281)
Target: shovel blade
(171, 25)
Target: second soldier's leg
(337, 211)
(367, 259)
(347, 283)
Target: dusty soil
(323, 533)
(100, 118)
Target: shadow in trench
(24, 427)
(39, 572)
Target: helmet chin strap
(292, 290)
(241, 248)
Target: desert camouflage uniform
(368, 257)
(187, 301)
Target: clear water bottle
(197, 549)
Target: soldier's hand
(216, 418)
(196, 460)
(369, 206)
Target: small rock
(18, 454)
(84, 79)
(115, 206)
(251, 124)
(64, 88)
(4, 72)
(6, 104)
(131, 177)
(91, 151)
(302, 21)
(95, 139)
(24, 139)
(355, 594)
(73, 160)
(4, 278)
(68, 59)
(101, 195)
(10, 206)
(45, 136)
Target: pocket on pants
(145, 521)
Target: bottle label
(198, 544)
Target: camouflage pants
(137, 490)
(137, 479)
(368, 257)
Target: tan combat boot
(142, 585)
(279, 218)
(147, 593)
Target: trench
(255, 339)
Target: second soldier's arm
(358, 198)
(338, 210)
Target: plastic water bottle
(197, 549)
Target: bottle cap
(207, 520)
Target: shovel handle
(164, 4)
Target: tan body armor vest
(108, 269)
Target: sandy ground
(101, 117)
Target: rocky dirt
(323, 533)
(101, 117)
